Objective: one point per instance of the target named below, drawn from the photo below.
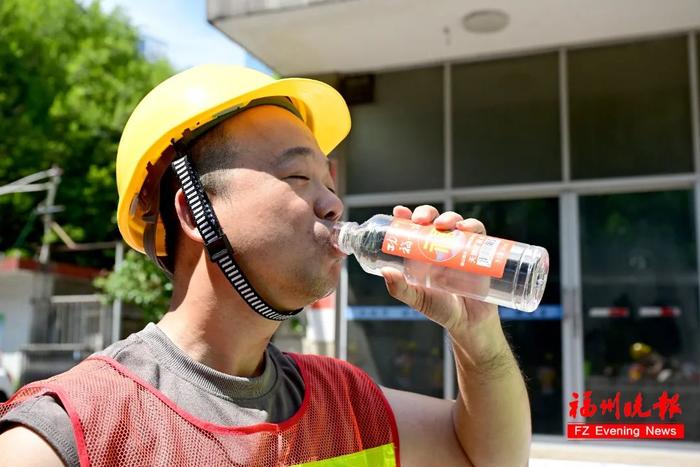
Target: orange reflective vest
(120, 420)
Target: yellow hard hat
(191, 99)
(639, 350)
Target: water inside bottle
(521, 285)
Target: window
(533, 221)
(629, 109)
(397, 346)
(396, 142)
(640, 300)
(506, 121)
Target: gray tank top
(210, 395)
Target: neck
(210, 322)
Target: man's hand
(472, 324)
(489, 423)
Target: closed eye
(305, 178)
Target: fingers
(437, 306)
(398, 288)
(447, 220)
(472, 225)
(426, 214)
(402, 212)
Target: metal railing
(79, 319)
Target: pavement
(563, 453)
(563, 463)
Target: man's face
(279, 208)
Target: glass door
(395, 344)
(639, 278)
(535, 337)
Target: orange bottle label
(478, 254)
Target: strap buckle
(218, 247)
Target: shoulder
(125, 350)
(350, 398)
(326, 363)
(136, 354)
(313, 365)
(338, 380)
(425, 429)
(37, 429)
(323, 368)
(21, 446)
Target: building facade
(589, 149)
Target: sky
(179, 30)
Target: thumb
(440, 308)
(413, 296)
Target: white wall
(16, 291)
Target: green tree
(69, 77)
(138, 281)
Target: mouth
(327, 239)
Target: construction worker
(223, 181)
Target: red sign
(625, 431)
(665, 406)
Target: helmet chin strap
(216, 243)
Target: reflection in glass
(629, 109)
(536, 342)
(396, 141)
(404, 355)
(531, 221)
(397, 348)
(640, 300)
(506, 121)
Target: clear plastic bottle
(485, 268)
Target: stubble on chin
(311, 286)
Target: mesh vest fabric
(120, 420)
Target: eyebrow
(294, 152)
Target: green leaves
(138, 281)
(69, 78)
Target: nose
(328, 206)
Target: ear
(184, 215)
